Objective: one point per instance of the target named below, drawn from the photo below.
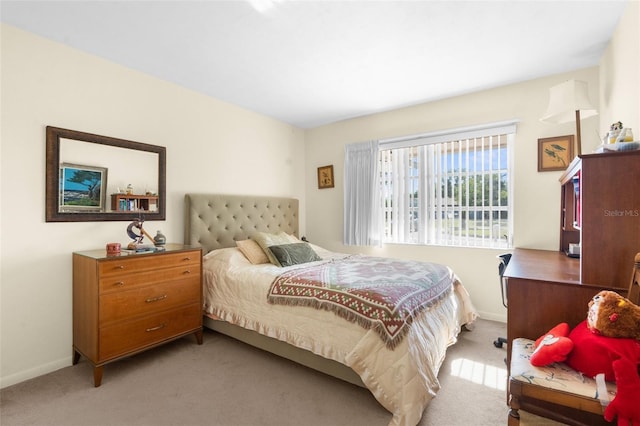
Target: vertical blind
(448, 188)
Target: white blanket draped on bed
(403, 380)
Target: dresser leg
(199, 336)
(97, 376)
(76, 357)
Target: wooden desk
(543, 290)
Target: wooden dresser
(128, 303)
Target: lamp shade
(567, 98)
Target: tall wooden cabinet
(128, 303)
(600, 209)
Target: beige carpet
(225, 382)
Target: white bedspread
(403, 380)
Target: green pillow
(294, 254)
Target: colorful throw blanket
(380, 293)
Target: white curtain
(361, 195)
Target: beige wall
(211, 147)
(620, 74)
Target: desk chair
(502, 265)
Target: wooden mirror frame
(54, 134)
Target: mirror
(99, 178)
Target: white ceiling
(310, 63)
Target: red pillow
(553, 346)
(594, 354)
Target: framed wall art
(555, 153)
(325, 177)
(82, 188)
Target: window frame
(452, 141)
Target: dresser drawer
(130, 280)
(127, 264)
(120, 338)
(118, 306)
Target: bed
(400, 371)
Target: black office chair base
(499, 342)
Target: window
(451, 189)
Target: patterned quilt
(378, 293)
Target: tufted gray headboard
(215, 221)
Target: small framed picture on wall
(325, 177)
(555, 153)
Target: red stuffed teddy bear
(612, 315)
(626, 404)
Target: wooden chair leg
(514, 415)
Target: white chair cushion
(557, 376)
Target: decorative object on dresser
(325, 177)
(137, 243)
(113, 249)
(159, 239)
(129, 303)
(555, 153)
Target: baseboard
(492, 316)
(40, 370)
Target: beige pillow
(252, 251)
(266, 240)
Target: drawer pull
(187, 258)
(119, 267)
(187, 271)
(157, 327)
(119, 283)
(156, 299)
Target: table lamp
(569, 101)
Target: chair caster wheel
(499, 342)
